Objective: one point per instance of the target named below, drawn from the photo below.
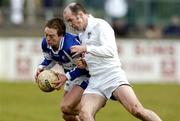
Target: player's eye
(50, 36)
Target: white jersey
(102, 56)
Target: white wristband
(68, 76)
(41, 67)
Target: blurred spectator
(48, 7)
(1, 14)
(120, 29)
(173, 29)
(117, 9)
(31, 12)
(17, 14)
(153, 32)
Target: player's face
(52, 36)
(74, 21)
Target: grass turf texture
(26, 102)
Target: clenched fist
(78, 49)
(81, 63)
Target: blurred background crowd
(129, 18)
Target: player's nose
(49, 41)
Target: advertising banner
(143, 60)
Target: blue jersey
(63, 56)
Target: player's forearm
(45, 63)
(75, 73)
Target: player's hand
(81, 63)
(61, 81)
(78, 49)
(38, 71)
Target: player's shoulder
(96, 20)
(70, 35)
(71, 38)
(102, 22)
(98, 23)
(102, 25)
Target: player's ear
(60, 37)
(80, 15)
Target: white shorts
(69, 84)
(105, 84)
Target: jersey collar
(60, 46)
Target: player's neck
(55, 48)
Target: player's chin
(76, 28)
(50, 44)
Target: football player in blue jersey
(56, 49)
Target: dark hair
(57, 23)
(75, 8)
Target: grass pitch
(26, 102)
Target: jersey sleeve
(106, 38)
(76, 72)
(47, 57)
(45, 63)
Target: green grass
(25, 102)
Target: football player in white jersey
(107, 80)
